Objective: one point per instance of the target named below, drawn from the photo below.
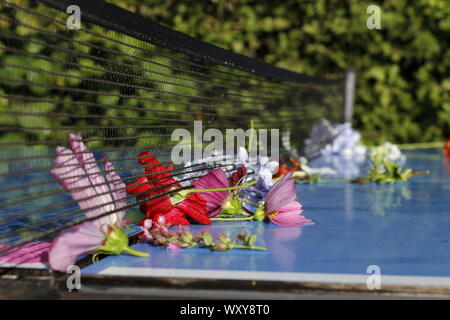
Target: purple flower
(76, 170)
(345, 140)
(281, 206)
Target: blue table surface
(402, 228)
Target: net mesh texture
(124, 83)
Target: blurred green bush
(403, 88)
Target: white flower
(261, 168)
(390, 152)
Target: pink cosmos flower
(214, 199)
(77, 171)
(281, 206)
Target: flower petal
(33, 252)
(117, 189)
(272, 166)
(214, 199)
(74, 242)
(282, 193)
(72, 176)
(263, 161)
(290, 216)
(139, 186)
(172, 218)
(242, 155)
(97, 181)
(195, 209)
(266, 176)
(161, 205)
(237, 175)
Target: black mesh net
(124, 83)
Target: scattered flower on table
(284, 168)
(280, 205)
(221, 201)
(260, 168)
(343, 156)
(184, 239)
(76, 170)
(345, 143)
(214, 199)
(389, 152)
(344, 140)
(157, 180)
(385, 171)
(102, 196)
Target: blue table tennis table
(400, 232)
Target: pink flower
(214, 199)
(74, 242)
(172, 246)
(77, 171)
(33, 252)
(145, 228)
(281, 206)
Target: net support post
(349, 97)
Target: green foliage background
(403, 86)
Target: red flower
(446, 149)
(238, 175)
(192, 210)
(284, 168)
(173, 217)
(161, 205)
(158, 179)
(194, 207)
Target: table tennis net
(124, 84)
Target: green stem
(240, 246)
(335, 180)
(421, 145)
(233, 219)
(250, 140)
(135, 252)
(223, 189)
(415, 173)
